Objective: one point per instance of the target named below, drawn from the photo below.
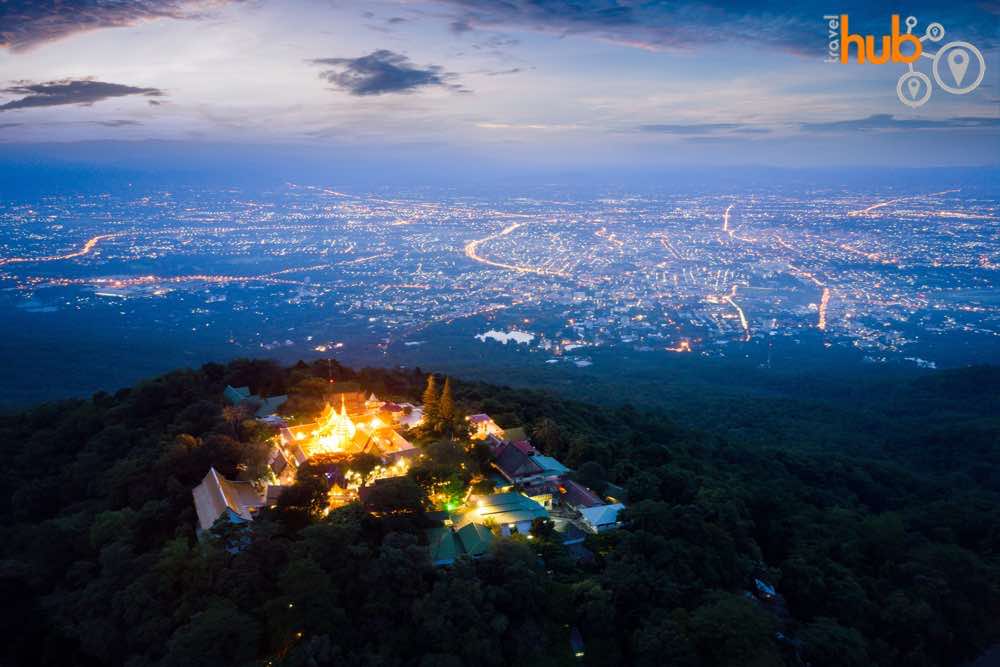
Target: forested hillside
(887, 553)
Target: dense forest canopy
(884, 553)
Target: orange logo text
(864, 48)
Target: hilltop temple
(369, 428)
(349, 424)
(527, 484)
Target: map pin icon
(914, 86)
(958, 63)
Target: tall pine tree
(446, 406)
(432, 414)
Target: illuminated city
(308, 271)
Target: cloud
(694, 24)
(728, 139)
(70, 91)
(381, 72)
(512, 70)
(698, 128)
(884, 121)
(460, 26)
(117, 123)
(525, 126)
(383, 25)
(28, 23)
(496, 43)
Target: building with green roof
(509, 512)
(236, 395)
(262, 407)
(447, 545)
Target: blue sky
(543, 82)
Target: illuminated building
(357, 426)
(483, 426)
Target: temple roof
(216, 494)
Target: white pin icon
(914, 86)
(958, 63)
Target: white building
(601, 518)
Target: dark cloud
(117, 123)
(385, 25)
(694, 128)
(28, 23)
(460, 26)
(383, 71)
(512, 70)
(685, 24)
(69, 91)
(497, 42)
(4, 126)
(884, 121)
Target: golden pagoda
(335, 430)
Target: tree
(431, 411)
(548, 436)
(593, 608)
(446, 406)
(395, 495)
(309, 602)
(593, 475)
(307, 398)
(220, 635)
(363, 463)
(456, 616)
(188, 458)
(307, 498)
(255, 455)
(643, 485)
(730, 630)
(234, 416)
(661, 640)
(198, 418)
(445, 467)
(827, 644)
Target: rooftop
(216, 495)
(503, 509)
(446, 544)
